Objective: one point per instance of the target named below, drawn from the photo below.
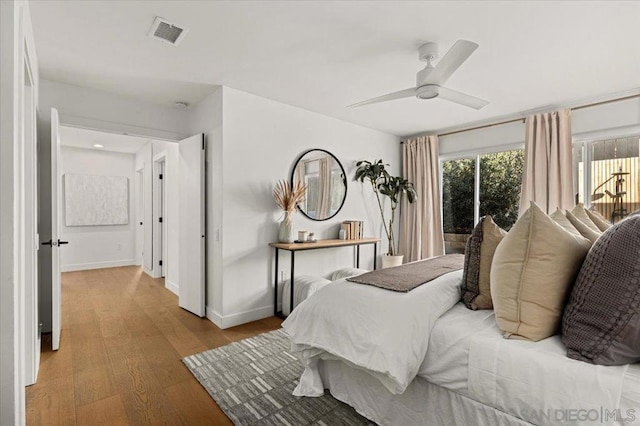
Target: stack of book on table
(354, 229)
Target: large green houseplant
(386, 185)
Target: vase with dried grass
(287, 198)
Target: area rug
(252, 381)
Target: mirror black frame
(344, 180)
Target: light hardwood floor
(119, 363)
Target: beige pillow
(579, 212)
(532, 272)
(562, 220)
(586, 232)
(598, 219)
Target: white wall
(10, 384)
(92, 247)
(95, 109)
(206, 117)
(98, 110)
(261, 139)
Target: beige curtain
(548, 177)
(324, 188)
(421, 222)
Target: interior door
(163, 212)
(140, 217)
(191, 288)
(56, 204)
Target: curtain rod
(515, 120)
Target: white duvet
(383, 332)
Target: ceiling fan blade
(450, 62)
(388, 97)
(462, 98)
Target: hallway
(123, 337)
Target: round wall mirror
(326, 184)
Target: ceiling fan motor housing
(429, 91)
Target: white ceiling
(325, 55)
(85, 138)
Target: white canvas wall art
(96, 200)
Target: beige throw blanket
(405, 278)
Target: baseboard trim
(171, 286)
(97, 265)
(238, 318)
(213, 316)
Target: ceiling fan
(430, 80)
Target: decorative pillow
(580, 212)
(532, 272)
(598, 219)
(601, 322)
(304, 286)
(345, 273)
(562, 220)
(586, 232)
(481, 245)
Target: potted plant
(287, 198)
(392, 187)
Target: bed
(423, 358)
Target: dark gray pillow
(481, 246)
(601, 322)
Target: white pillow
(345, 273)
(562, 220)
(305, 286)
(583, 228)
(580, 213)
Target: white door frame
(29, 216)
(139, 195)
(159, 211)
(16, 163)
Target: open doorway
(126, 218)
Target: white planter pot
(390, 261)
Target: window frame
(587, 139)
(473, 155)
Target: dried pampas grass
(287, 197)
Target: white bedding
(383, 332)
(536, 379)
(447, 360)
(394, 337)
(468, 355)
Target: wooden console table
(320, 244)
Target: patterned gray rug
(252, 380)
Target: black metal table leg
(357, 256)
(375, 255)
(275, 294)
(291, 287)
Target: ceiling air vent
(167, 31)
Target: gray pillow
(601, 322)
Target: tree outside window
(500, 181)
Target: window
(498, 180)
(500, 185)
(606, 175)
(458, 177)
